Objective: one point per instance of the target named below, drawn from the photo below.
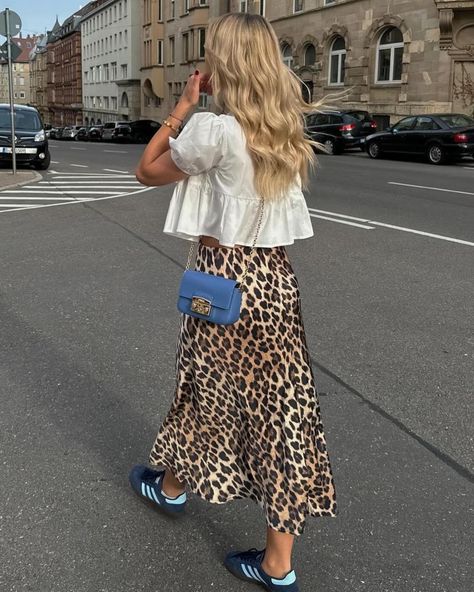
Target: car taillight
(373, 124)
(347, 127)
(460, 138)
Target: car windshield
(457, 120)
(360, 115)
(25, 121)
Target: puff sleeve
(200, 145)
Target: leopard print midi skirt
(245, 420)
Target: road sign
(16, 51)
(13, 25)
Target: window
(114, 70)
(125, 7)
(159, 52)
(160, 10)
(185, 47)
(171, 40)
(287, 55)
(120, 10)
(147, 11)
(261, 8)
(297, 5)
(106, 73)
(125, 37)
(405, 124)
(337, 61)
(426, 123)
(147, 53)
(22, 95)
(106, 102)
(390, 56)
(124, 69)
(186, 6)
(309, 55)
(244, 6)
(124, 101)
(202, 40)
(203, 100)
(173, 5)
(114, 103)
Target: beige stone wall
(21, 83)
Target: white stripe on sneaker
(148, 492)
(246, 572)
(154, 496)
(257, 575)
(143, 489)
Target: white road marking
(23, 206)
(113, 171)
(77, 201)
(89, 176)
(78, 149)
(82, 166)
(431, 188)
(36, 190)
(73, 182)
(116, 151)
(342, 221)
(54, 162)
(402, 228)
(88, 186)
(469, 168)
(33, 198)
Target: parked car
(31, 142)
(338, 130)
(55, 133)
(95, 133)
(70, 132)
(109, 132)
(82, 133)
(439, 138)
(143, 130)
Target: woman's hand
(191, 91)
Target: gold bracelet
(174, 117)
(168, 124)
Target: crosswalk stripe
(33, 198)
(62, 187)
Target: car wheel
(373, 150)
(43, 165)
(436, 154)
(330, 146)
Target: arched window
(99, 121)
(309, 55)
(124, 100)
(287, 55)
(390, 56)
(337, 61)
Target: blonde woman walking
(245, 420)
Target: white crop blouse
(218, 199)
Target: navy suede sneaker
(147, 484)
(247, 566)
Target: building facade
(173, 36)
(21, 73)
(39, 76)
(64, 86)
(111, 55)
(395, 58)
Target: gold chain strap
(259, 224)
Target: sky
(39, 15)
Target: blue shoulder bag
(213, 298)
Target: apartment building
(39, 76)
(173, 36)
(21, 72)
(111, 55)
(398, 57)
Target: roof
(26, 44)
(18, 107)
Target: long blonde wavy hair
(250, 80)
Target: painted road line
(431, 188)
(83, 186)
(88, 176)
(113, 171)
(56, 192)
(78, 201)
(23, 206)
(82, 166)
(78, 149)
(74, 182)
(342, 221)
(116, 151)
(401, 228)
(54, 162)
(21, 197)
(35, 190)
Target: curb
(36, 178)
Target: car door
(425, 129)
(318, 125)
(108, 130)
(401, 136)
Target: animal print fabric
(245, 420)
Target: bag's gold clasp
(201, 305)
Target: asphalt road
(88, 314)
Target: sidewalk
(8, 181)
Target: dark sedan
(439, 138)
